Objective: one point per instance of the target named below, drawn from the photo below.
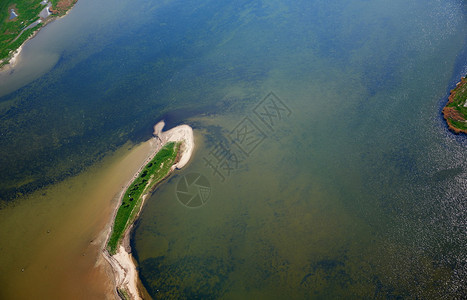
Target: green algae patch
(154, 172)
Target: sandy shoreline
(16, 56)
(122, 263)
(12, 61)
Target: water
(358, 192)
(52, 239)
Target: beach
(15, 59)
(125, 275)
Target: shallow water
(52, 239)
(357, 190)
(348, 196)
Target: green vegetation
(28, 12)
(123, 294)
(155, 171)
(455, 111)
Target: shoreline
(9, 62)
(125, 275)
(16, 56)
(449, 113)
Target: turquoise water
(356, 191)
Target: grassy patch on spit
(156, 170)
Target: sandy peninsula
(122, 263)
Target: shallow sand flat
(56, 234)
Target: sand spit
(122, 263)
(182, 133)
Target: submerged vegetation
(455, 111)
(77, 113)
(155, 171)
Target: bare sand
(14, 60)
(122, 263)
(182, 133)
(15, 57)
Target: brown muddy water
(52, 239)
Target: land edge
(446, 109)
(8, 63)
(125, 275)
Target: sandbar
(122, 263)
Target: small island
(153, 173)
(21, 19)
(172, 150)
(455, 111)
